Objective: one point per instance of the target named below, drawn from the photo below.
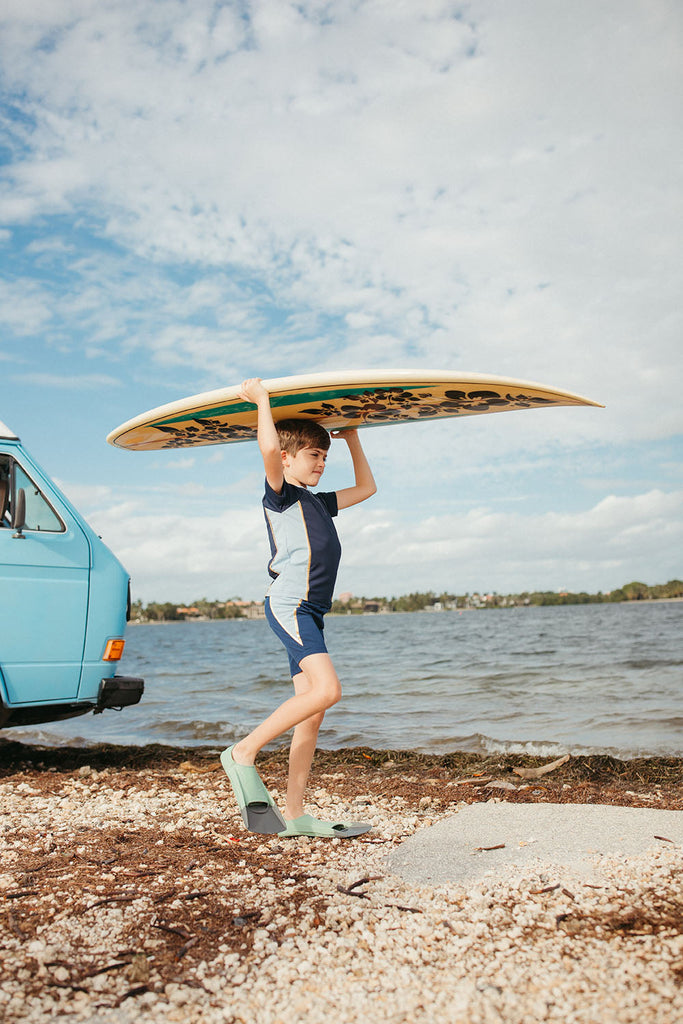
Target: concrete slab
(491, 839)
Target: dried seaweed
(15, 756)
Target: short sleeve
(329, 500)
(289, 495)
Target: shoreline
(613, 777)
(430, 611)
(132, 893)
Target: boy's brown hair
(297, 434)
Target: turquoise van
(64, 602)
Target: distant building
(249, 609)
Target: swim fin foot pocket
(256, 805)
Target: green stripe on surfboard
(280, 401)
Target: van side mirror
(19, 515)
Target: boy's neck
(292, 480)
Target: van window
(39, 514)
(4, 490)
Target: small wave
(478, 743)
(44, 738)
(540, 748)
(178, 733)
(641, 664)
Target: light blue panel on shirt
(293, 550)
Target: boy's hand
(251, 390)
(346, 434)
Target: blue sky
(193, 193)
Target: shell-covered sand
(131, 892)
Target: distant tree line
(416, 602)
(234, 608)
(167, 611)
(641, 592)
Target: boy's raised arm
(365, 485)
(252, 390)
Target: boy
(305, 555)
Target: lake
(577, 678)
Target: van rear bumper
(119, 692)
(38, 714)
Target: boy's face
(306, 467)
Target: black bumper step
(119, 692)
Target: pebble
(324, 947)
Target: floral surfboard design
(368, 398)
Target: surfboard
(362, 398)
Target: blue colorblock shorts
(300, 628)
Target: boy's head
(297, 434)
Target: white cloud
(175, 557)
(493, 190)
(172, 556)
(77, 382)
(24, 307)
(617, 540)
(84, 496)
(183, 462)
(202, 192)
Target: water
(581, 679)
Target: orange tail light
(113, 650)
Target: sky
(192, 193)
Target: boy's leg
(323, 691)
(301, 753)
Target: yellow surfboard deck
(362, 398)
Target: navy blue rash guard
(305, 548)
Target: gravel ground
(131, 892)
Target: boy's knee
(336, 694)
(323, 681)
(330, 694)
